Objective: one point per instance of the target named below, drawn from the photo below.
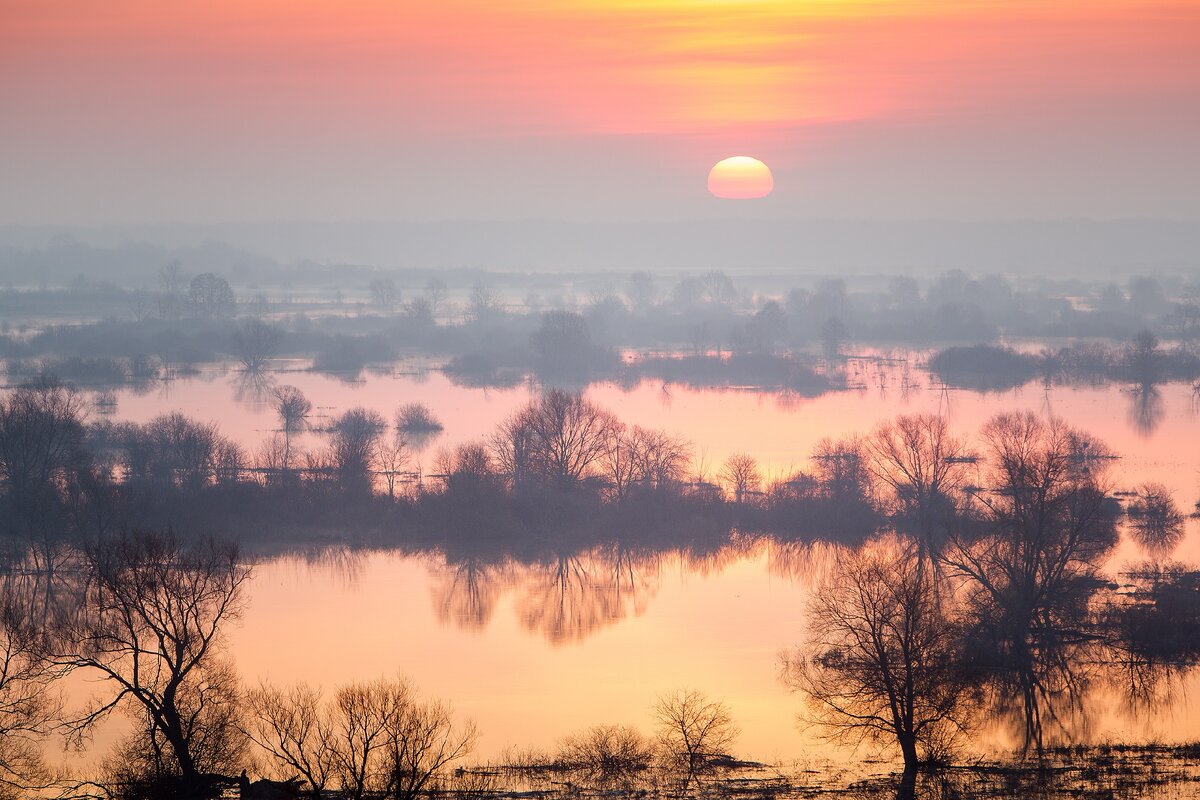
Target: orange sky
(136, 88)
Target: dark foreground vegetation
(967, 591)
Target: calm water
(533, 652)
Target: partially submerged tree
(368, 739)
(693, 731)
(417, 418)
(611, 756)
(1155, 519)
(41, 451)
(1029, 575)
(255, 343)
(924, 466)
(353, 440)
(883, 660)
(293, 410)
(148, 623)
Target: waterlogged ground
(1153, 772)
(1151, 431)
(534, 652)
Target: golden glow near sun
(740, 178)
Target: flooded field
(534, 650)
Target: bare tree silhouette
(148, 623)
(1030, 574)
(371, 739)
(693, 731)
(741, 474)
(883, 660)
(924, 466)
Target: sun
(740, 178)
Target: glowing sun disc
(740, 178)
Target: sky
(138, 111)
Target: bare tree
(423, 741)
(384, 293)
(41, 447)
(610, 755)
(170, 282)
(883, 660)
(293, 410)
(483, 304)
(662, 459)
(293, 727)
(693, 730)
(833, 336)
(740, 473)
(718, 288)
(840, 469)
(172, 449)
(513, 446)
(923, 465)
(436, 292)
(390, 458)
(1155, 519)
(641, 291)
(148, 623)
(210, 295)
(562, 344)
(144, 764)
(256, 342)
(1030, 576)
(373, 738)
(353, 439)
(29, 708)
(558, 439)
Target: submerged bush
(417, 418)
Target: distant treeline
(489, 336)
(1139, 361)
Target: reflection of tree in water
(419, 441)
(467, 591)
(702, 560)
(801, 561)
(570, 596)
(339, 563)
(1153, 634)
(1146, 410)
(38, 586)
(1031, 576)
(1041, 687)
(252, 388)
(1155, 522)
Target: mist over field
(1084, 248)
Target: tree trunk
(908, 746)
